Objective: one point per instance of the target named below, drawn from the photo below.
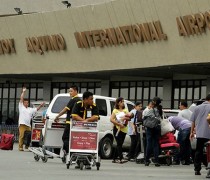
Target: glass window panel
(203, 92)
(83, 85)
(33, 93)
(62, 90)
(190, 83)
(5, 93)
(4, 110)
(55, 91)
(12, 92)
(19, 90)
(146, 84)
(152, 92)
(183, 83)
(91, 90)
(115, 84)
(183, 91)
(132, 93)
(146, 93)
(132, 84)
(196, 83)
(124, 84)
(176, 93)
(101, 104)
(91, 85)
(83, 90)
(139, 84)
(115, 93)
(40, 94)
(160, 92)
(124, 93)
(196, 94)
(189, 92)
(98, 91)
(139, 92)
(176, 104)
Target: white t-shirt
(25, 114)
(185, 113)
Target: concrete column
(105, 87)
(167, 90)
(46, 90)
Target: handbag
(166, 126)
(151, 122)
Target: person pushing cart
(84, 111)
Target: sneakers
(21, 149)
(197, 173)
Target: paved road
(15, 165)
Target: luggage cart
(83, 145)
(52, 139)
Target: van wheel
(106, 148)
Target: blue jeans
(152, 138)
(185, 145)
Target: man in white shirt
(25, 115)
(185, 112)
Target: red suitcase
(7, 141)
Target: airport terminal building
(136, 49)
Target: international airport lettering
(7, 46)
(151, 31)
(41, 44)
(193, 24)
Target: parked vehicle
(106, 106)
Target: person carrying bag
(151, 121)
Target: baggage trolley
(52, 139)
(83, 145)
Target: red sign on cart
(84, 140)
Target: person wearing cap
(183, 126)
(153, 134)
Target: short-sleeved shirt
(199, 117)
(70, 106)
(85, 112)
(185, 113)
(130, 128)
(116, 111)
(25, 114)
(180, 123)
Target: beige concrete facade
(175, 50)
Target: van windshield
(60, 103)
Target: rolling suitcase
(7, 141)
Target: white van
(105, 106)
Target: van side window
(101, 104)
(112, 104)
(60, 103)
(130, 107)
